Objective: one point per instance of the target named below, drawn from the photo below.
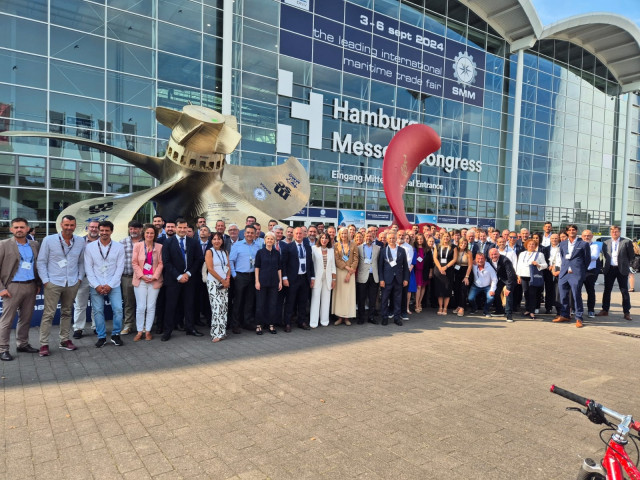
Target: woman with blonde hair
(344, 297)
(324, 265)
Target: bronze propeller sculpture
(194, 177)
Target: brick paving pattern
(440, 397)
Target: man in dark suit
(482, 245)
(595, 269)
(298, 275)
(202, 307)
(513, 245)
(169, 231)
(618, 255)
(182, 259)
(393, 270)
(552, 256)
(575, 256)
(507, 281)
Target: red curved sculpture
(407, 149)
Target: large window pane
(76, 79)
(130, 28)
(35, 9)
(91, 175)
(23, 69)
(77, 47)
(23, 103)
(23, 34)
(127, 89)
(78, 14)
(7, 170)
(63, 174)
(212, 21)
(118, 179)
(178, 70)
(124, 57)
(143, 7)
(181, 12)
(179, 40)
(130, 120)
(31, 171)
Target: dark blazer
(207, 247)
(387, 273)
(579, 260)
(506, 272)
(290, 262)
(485, 249)
(625, 255)
(173, 260)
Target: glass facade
(96, 70)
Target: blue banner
(354, 39)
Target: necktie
(204, 248)
(300, 251)
(182, 244)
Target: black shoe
(116, 340)
(259, 331)
(159, 330)
(27, 349)
(509, 318)
(304, 326)
(100, 343)
(398, 322)
(272, 329)
(195, 333)
(360, 322)
(165, 338)
(385, 321)
(6, 357)
(95, 332)
(373, 320)
(548, 311)
(77, 334)
(287, 329)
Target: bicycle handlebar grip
(570, 396)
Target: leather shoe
(305, 326)
(373, 320)
(195, 333)
(627, 316)
(287, 329)
(578, 323)
(6, 357)
(398, 322)
(385, 321)
(560, 318)
(27, 349)
(602, 313)
(159, 330)
(165, 338)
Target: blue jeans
(97, 307)
(485, 290)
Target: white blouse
(524, 260)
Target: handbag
(535, 276)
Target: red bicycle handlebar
(570, 396)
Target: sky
(551, 11)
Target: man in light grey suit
(618, 254)
(367, 279)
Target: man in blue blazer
(393, 270)
(299, 276)
(482, 245)
(575, 256)
(182, 260)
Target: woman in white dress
(324, 265)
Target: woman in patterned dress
(218, 275)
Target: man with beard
(82, 297)
(128, 295)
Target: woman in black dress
(268, 284)
(444, 258)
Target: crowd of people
(171, 276)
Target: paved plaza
(440, 397)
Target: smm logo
(311, 112)
(464, 68)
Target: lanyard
(527, 260)
(22, 259)
(445, 256)
(370, 251)
(220, 257)
(145, 249)
(345, 254)
(66, 252)
(104, 257)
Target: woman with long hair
(146, 260)
(530, 257)
(461, 272)
(420, 254)
(324, 265)
(218, 281)
(344, 297)
(444, 258)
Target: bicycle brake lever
(594, 414)
(576, 409)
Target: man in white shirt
(104, 264)
(545, 241)
(593, 270)
(82, 297)
(485, 280)
(61, 269)
(501, 245)
(618, 254)
(552, 256)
